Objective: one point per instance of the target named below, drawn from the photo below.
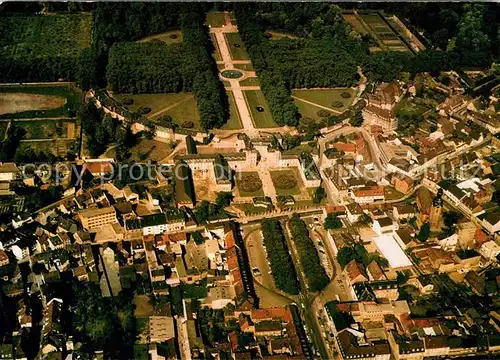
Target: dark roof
(154, 220)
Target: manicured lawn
(186, 111)
(215, 19)
(253, 81)
(293, 191)
(238, 52)
(241, 175)
(254, 99)
(307, 110)
(234, 121)
(171, 37)
(326, 97)
(29, 101)
(155, 102)
(180, 106)
(247, 67)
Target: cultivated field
(388, 39)
(356, 24)
(171, 37)
(234, 121)
(41, 35)
(236, 46)
(256, 99)
(38, 101)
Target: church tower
(436, 214)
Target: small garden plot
(249, 184)
(58, 147)
(246, 67)
(257, 104)
(33, 101)
(412, 107)
(337, 99)
(234, 121)
(355, 24)
(251, 81)
(171, 37)
(45, 129)
(216, 19)
(236, 46)
(286, 182)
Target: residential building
(94, 218)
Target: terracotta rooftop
(369, 191)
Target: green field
(237, 53)
(255, 98)
(68, 101)
(307, 110)
(281, 192)
(253, 81)
(325, 97)
(45, 35)
(180, 106)
(234, 121)
(171, 37)
(215, 19)
(239, 176)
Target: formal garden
(249, 184)
(286, 182)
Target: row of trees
(279, 258)
(200, 69)
(316, 276)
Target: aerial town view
(249, 180)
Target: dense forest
(281, 262)
(160, 68)
(316, 276)
(145, 68)
(325, 53)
